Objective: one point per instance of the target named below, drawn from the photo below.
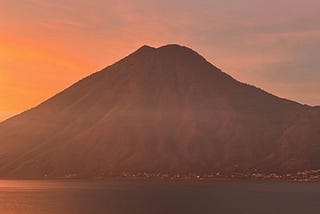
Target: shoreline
(169, 179)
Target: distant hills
(160, 110)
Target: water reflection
(123, 197)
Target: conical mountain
(160, 109)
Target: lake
(142, 197)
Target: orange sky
(46, 45)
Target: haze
(46, 45)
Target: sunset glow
(47, 45)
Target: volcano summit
(160, 110)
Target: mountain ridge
(160, 109)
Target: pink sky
(46, 45)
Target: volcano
(161, 109)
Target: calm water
(115, 197)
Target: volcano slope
(160, 110)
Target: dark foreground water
(115, 197)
